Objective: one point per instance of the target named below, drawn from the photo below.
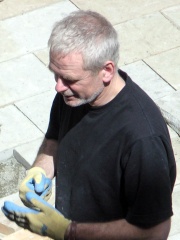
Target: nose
(60, 86)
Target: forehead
(69, 62)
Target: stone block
(22, 78)
(43, 56)
(148, 80)
(174, 237)
(118, 11)
(173, 14)
(175, 226)
(13, 8)
(8, 153)
(26, 153)
(170, 108)
(146, 36)
(37, 108)
(16, 129)
(175, 139)
(30, 31)
(167, 64)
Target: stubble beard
(82, 101)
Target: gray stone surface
(23, 77)
(170, 107)
(13, 8)
(16, 129)
(26, 153)
(37, 108)
(174, 237)
(173, 14)
(138, 42)
(118, 11)
(5, 154)
(175, 228)
(43, 56)
(176, 147)
(33, 30)
(167, 65)
(11, 174)
(148, 80)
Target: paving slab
(175, 139)
(43, 56)
(37, 108)
(174, 237)
(16, 129)
(175, 226)
(5, 154)
(118, 11)
(13, 8)
(148, 80)
(26, 153)
(34, 29)
(170, 108)
(167, 65)
(173, 15)
(146, 36)
(23, 77)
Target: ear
(108, 72)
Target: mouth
(68, 96)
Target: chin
(75, 103)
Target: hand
(37, 182)
(46, 221)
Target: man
(107, 144)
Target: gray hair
(89, 34)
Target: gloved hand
(46, 221)
(35, 181)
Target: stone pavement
(149, 33)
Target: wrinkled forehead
(70, 61)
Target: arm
(38, 178)
(118, 230)
(46, 157)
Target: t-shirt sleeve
(149, 177)
(53, 127)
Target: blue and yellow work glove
(46, 221)
(37, 182)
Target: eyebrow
(64, 77)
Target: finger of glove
(19, 221)
(18, 211)
(38, 202)
(39, 183)
(33, 183)
(48, 189)
(10, 216)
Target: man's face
(76, 85)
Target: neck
(110, 91)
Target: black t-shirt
(114, 161)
